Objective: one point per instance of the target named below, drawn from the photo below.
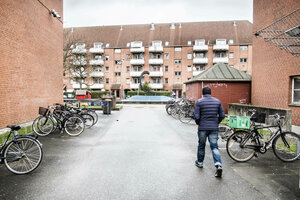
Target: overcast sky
(122, 12)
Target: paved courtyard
(142, 153)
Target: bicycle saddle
(14, 127)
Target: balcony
(79, 51)
(134, 85)
(156, 73)
(221, 47)
(77, 86)
(156, 61)
(97, 50)
(135, 74)
(156, 85)
(196, 73)
(200, 48)
(97, 86)
(78, 74)
(156, 49)
(200, 60)
(137, 50)
(78, 62)
(96, 74)
(97, 62)
(220, 60)
(137, 61)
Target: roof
(118, 36)
(221, 72)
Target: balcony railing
(137, 61)
(156, 61)
(97, 62)
(77, 86)
(77, 62)
(135, 74)
(137, 49)
(96, 50)
(156, 85)
(134, 85)
(156, 49)
(156, 73)
(96, 74)
(200, 60)
(220, 60)
(97, 86)
(200, 48)
(79, 51)
(220, 47)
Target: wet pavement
(142, 153)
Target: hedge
(98, 94)
(142, 93)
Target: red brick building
(31, 58)
(172, 53)
(228, 84)
(276, 67)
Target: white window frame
(177, 49)
(117, 50)
(189, 56)
(293, 89)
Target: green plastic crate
(239, 122)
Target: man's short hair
(206, 90)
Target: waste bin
(106, 106)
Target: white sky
(121, 12)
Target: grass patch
(293, 148)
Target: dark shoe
(198, 164)
(219, 171)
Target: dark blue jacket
(208, 113)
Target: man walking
(208, 114)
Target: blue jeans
(213, 141)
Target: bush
(142, 93)
(98, 94)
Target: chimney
(152, 26)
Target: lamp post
(121, 85)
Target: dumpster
(106, 106)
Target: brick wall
(226, 92)
(31, 59)
(272, 67)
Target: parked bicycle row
(245, 135)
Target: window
(166, 56)
(177, 48)
(296, 90)
(156, 80)
(220, 55)
(243, 60)
(199, 55)
(128, 44)
(156, 43)
(117, 50)
(107, 45)
(107, 80)
(136, 80)
(230, 42)
(98, 45)
(166, 68)
(231, 55)
(127, 80)
(107, 69)
(117, 73)
(220, 41)
(243, 47)
(118, 62)
(189, 68)
(177, 61)
(189, 56)
(166, 43)
(166, 80)
(189, 42)
(199, 68)
(199, 42)
(154, 68)
(177, 73)
(127, 56)
(106, 58)
(127, 68)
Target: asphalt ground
(142, 153)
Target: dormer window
(156, 43)
(80, 45)
(200, 42)
(221, 41)
(107, 45)
(166, 43)
(98, 45)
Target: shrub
(98, 94)
(142, 93)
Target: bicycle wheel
(45, 126)
(94, 114)
(88, 120)
(23, 155)
(234, 149)
(286, 146)
(184, 117)
(169, 109)
(74, 126)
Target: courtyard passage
(142, 153)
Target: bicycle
(242, 145)
(22, 154)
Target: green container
(239, 122)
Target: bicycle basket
(43, 111)
(259, 117)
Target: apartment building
(172, 53)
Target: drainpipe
(201, 88)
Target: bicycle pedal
(256, 155)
